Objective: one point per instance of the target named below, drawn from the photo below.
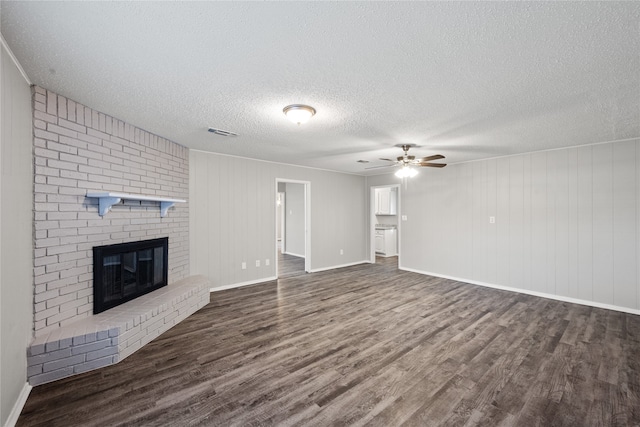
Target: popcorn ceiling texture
(76, 150)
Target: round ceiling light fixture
(298, 113)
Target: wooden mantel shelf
(109, 199)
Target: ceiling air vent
(222, 132)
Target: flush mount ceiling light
(406, 172)
(298, 113)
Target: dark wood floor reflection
(289, 265)
(366, 345)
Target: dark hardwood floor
(366, 345)
(289, 265)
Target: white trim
(292, 254)
(372, 220)
(525, 153)
(307, 224)
(528, 292)
(15, 60)
(241, 284)
(591, 144)
(351, 264)
(276, 163)
(18, 406)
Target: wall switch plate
(341, 251)
(266, 262)
(404, 217)
(257, 263)
(492, 220)
(244, 265)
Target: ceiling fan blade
(433, 165)
(387, 160)
(378, 167)
(429, 158)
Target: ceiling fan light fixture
(299, 113)
(406, 172)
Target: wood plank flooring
(289, 265)
(366, 345)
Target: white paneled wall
(232, 217)
(16, 245)
(567, 223)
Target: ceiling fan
(406, 162)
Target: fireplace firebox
(125, 271)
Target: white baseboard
(528, 292)
(241, 284)
(316, 270)
(385, 256)
(292, 254)
(17, 407)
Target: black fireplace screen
(126, 271)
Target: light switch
(492, 220)
(404, 217)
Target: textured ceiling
(468, 80)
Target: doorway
(293, 249)
(385, 222)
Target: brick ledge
(111, 336)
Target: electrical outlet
(257, 263)
(267, 262)
(341, 251)
(492, 220)
(244, 265)
(404, 217)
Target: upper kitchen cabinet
(386, 201)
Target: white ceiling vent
(222, 132)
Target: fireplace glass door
(126, 271)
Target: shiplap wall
(16, 265)
(567, 223)
(232, 217)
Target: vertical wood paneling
(516, 222)
(539, 221)
(526, 227)
(585, 223)
(492, 234)
(637, 179)
(603, 223)
(624, 223)
(479, 219)
(224, 236)
(233, 209)
(549, 245)
(561, 221)
(567, 223)
(502, 220)
(572, 218)
(464, 228)
(16, 245)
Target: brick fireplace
(78, 150)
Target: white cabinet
(380, 241)
(386, 201)
(386, 242)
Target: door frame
(372, 219)
(307, 222)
